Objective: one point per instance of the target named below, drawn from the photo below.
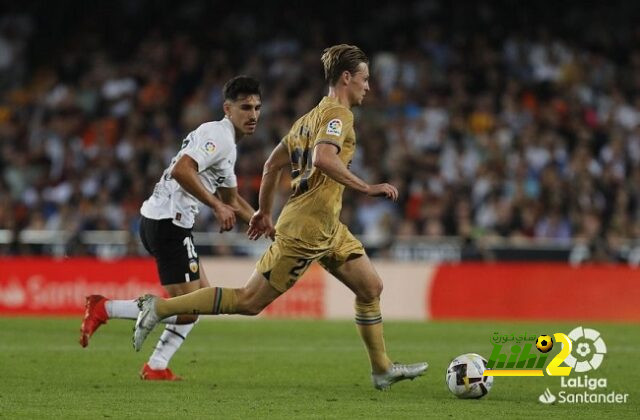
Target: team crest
(193, 266)
(334, 127)
(209, 147)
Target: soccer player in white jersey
(203, 167)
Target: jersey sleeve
(208, 147)
(230, 181)
(335, 124)
(285, 141)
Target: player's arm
(261, 222)
(185, 172)
(231, 197)
(326, 159)
(278, 159)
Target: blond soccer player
(318, 149)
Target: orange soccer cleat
(95, 314)
(149, 374)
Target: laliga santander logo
(590, 349)
(588, 354)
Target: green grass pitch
(282, 369)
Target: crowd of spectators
(509, 124)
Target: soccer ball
(464, 376)
(544, 343)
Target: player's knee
(255, 306)
(248, 302)
(253, 310)
(378, 288)
(250, 308)
(370, 291)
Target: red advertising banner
(58, 287)
(535, 291)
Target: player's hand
(383, 190)
(226, 216)
(261, 224)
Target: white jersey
(213, 147)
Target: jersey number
(299, 268)
(186, 141)
(191, 250)
(301, 160)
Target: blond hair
(339, 58)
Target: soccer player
(318, 149)
(203, 167)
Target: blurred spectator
(492, 122)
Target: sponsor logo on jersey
(334, 127)
(209, 147)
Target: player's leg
(180, 273)
(358, 274)
(174, 335)
(349, 263)
(248, 300)
(165, 242)
(275, 273)
(99, 309)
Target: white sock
(122, 309)
(128, 309)
(170, 341)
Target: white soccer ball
(465, 376)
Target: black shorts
(173, 249)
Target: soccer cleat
(95, 314)
(397, 372)
(149, 374)
(147, 320)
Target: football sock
(170, 341)
(225, 301)
(128, 309)
(122, 309)
(210, 300)
(369, 324)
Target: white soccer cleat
(397, 372)
(147, 320)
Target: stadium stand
(501, 126)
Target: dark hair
(240, 85)
(339, 58)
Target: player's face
(244, 113)
(359, 84)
